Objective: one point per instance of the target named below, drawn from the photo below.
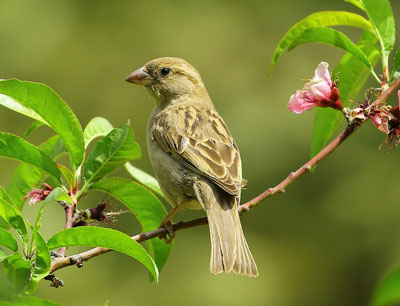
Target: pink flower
(38, 195)
(319, 91)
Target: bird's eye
(165, 71)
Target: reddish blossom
(38, 195)
(393, 138)
(319, 91)
(380, 118)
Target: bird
(195, 159)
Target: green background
(326, 241)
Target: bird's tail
(229, 249)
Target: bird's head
(168, 79)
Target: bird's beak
(139, 77)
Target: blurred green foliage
(326, 241)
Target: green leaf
(14, 147)
(97, 127)
(380, 15)
(57, 194)
(106, 238)
(31, 128)
(18, 270)
(8, 240)
(387, 291)
(144, 178)
(41, 267)
(14, 218)
(41, 103)
(3, 256)
(144, 205)
(27, 301)
(68, 175)
(396, 63)
(320, 19)
(5, 197)
(356, 3)
(27, 176)
(331, 37)
(353, 75)
(110, 153)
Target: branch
(60, 263)
(69, 222)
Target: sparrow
(194, 157)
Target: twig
(59, 263)
(387, 93)
(69, 222)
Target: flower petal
(301, 101)
(320, 89)
(381, 123)
(322, 72)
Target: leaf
(31, 128)
(8, 240)
(144, 205)
(106, 238)
(26, 176)
(14, 147)
(331, 37)
(27, 301)
(356, 3)
(144, 178)
(396, 63)
(387, 291)
(14, 218)
(3, 256)
(5, 197)
(57, 194)
(18, 270)
(380, 15)
(320, 19)
(353, 75)
(41, 267)
(68, 175)
(110, 153)
(41, 103)
(97, 127)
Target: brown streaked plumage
(195, 158)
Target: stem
(376, 77)
(69, 222)
(60, 263)
(387, 93)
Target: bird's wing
(199, 139)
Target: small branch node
(54, 281)
(77, 260)
(64, 204)
(55, 254)
(245, 207)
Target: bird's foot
(170, 235)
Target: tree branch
(62, 262)
(69, 222)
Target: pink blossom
(319, 91)
(38, 195)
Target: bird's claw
(170, 235)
